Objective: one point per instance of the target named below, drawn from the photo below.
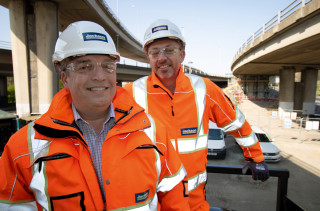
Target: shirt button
(108, 182)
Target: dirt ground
(300, 151)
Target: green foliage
(11, 95)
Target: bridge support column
(309, 77)
(286, 95)
(19, 55)
(46, 14)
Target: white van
(216, 144)
(270, 151)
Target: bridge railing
(282, 15)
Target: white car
(216, 144)
(270, 151)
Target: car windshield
(215, 134)
(262, 137)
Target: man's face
(91, 80)
(166, 66)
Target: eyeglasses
(88, 66)
(167, 51)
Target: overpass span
(35, 26)
(287, 45)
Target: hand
(259, 171)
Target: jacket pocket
(72, 202)
(52, 157)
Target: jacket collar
(125, 109)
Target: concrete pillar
(19, 55)
(309, 77)
(286, 95)
(250, 86)
(33, 70)
(46, 15)
(261, 89)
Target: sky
(213, 30)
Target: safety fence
(277, 123)
(283, 202)
(282, 15)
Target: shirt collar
(78, 118)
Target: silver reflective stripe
(199, 88)
(39, 182)
(139, 92)
(235, 124)
(194, 182)
(192, 144)
(248, 140)
(167, 183)
(150, 205)
(17, 205)
(151, 132)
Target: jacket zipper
(53, 157)
(150, 147)
(157, 86)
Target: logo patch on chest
(140, 197)
(189, 131)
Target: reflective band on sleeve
(17, 205)
(151, 132)
(199, 88)
(194, 182)
(167, 183)
(191, 145)
(235, 124)
(139, 92)
(39, 182)
(248, 140)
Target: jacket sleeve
(171, 191)
(228, 117)
(14, 191)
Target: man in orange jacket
(186, 103)
(95, 148)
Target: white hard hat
(160, 29)
(81, 38)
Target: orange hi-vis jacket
(47, 165)
(187, 113)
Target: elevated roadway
(35, 26)
(288, 45)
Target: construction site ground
(300, 151)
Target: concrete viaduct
(35, 26)
(288, 46)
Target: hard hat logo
(159, 28)
(93, 36)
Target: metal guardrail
(5, 45)
(282, 15)
(283, 202)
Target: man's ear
(64, 78)
(182, 55)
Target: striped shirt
(94, 140)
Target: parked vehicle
(270, 151)
(216, 143)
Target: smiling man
(95, 148)
(185, 103)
